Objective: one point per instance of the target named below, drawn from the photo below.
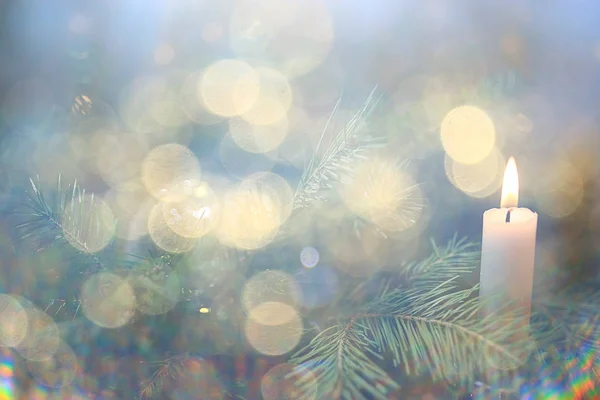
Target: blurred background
(190, 102)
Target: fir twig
(168, 369)
(45, 225)
(348, 146)
(458, 258)
(433, 331)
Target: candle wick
(508, 215)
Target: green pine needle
(343, 151)
(67, 219)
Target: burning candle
(508, 250)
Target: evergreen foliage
(422, 322)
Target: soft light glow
(510, 187)
(468, 134)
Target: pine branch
(570, 318)
(339, 360)
(69, 219)
(458, 258)
(437, 332)
(434, 331)
(348, 146)
(168, 369)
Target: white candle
(508, 250)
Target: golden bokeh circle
(108, 300)
(273, 101)
(14, 326)
(380, 191)
(272, 313)
(274, 340)
(131, 204)
(193, 105)
(258, 138)
(250, 219)
(165, 237)
(276, 187)
(170, 172)
(194, 216)
(229, 87)
(270, 286)
(480, 179)
(468, 134)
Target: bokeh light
(281, 383)
(559, 190)
(193, 105)
(319, 285)
(108, 300)
(229, 87)
(164, 236)
(468, 134)
(360, 251)
(309, 257)
(156, 291)
(170, 172)
(250, 218)
(14, 326)
(131, 205)
(276, 187)
(258, 138)
(56, 371)
(88, 223)
(119, 156)
(270, 286)
(291, 36)
(272, 313)
(194, 216)
(42, 337)
(480, 179)
(381, 192)
(274, 340)
(273, 101)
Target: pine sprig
(570, 317)
(458, 258)
(433, 331)
(348, 146)
(341, 360)
(44, 221)
(167, 369)
(437, 332)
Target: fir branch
(437, 332)
(339, 360)
(348, 146)
(44, 221)
(570, 319)
(434, 331)
(458, 258)
(168, 369)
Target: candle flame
(510, 187)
